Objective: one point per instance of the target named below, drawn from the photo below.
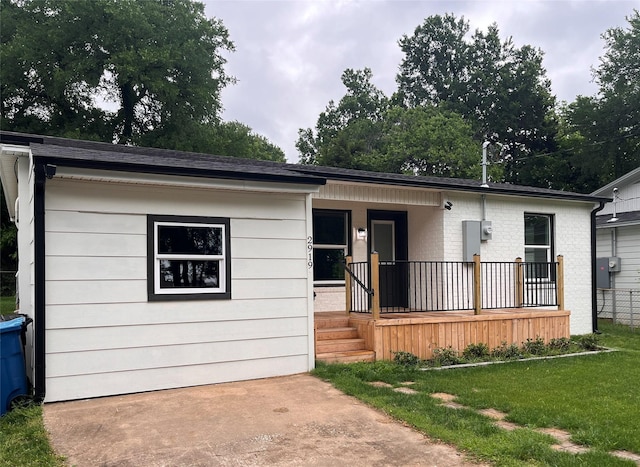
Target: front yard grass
(593, 397)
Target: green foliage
(534, 346)
(405, 359)
(502, 90)
(601, 134)
(588, 342)
(445, 356)
(507, 352)
(8, 247)
(561, 344)
(476, 351)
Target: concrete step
(339, 345)
(324, 334)
(347, 357)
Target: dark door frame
(400, 286)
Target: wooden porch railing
(446, 286)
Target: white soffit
(378, 194)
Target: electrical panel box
(603, 279)
(470, 239)
(486, 231)
(614, 264)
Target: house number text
(310, 252)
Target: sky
(290, 54)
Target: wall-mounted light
(361, 233)
(448, 205)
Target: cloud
(290, 54)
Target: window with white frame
(330, 245)
(188, 258)
(538, 245)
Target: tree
(158, 61)
(346, 131)
(365, 130)
(603, 131)
(500, 89)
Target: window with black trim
(330, 245)
(188, 258)
(538, 244)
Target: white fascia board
(627, 178)
(9, 155)
(131, 178)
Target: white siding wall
(572, 240)
(627, 247)
(103, 337)
(628, 199)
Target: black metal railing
(426, 286)
(360, 292)
(406, 286)
(540, 285)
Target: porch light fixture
(361, 233)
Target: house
(147, 269)
(618, 250)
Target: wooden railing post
(519, 283)
(477, 297)
(560, 282)
(347, 285)
(375, 286)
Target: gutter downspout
(594, 297)
(41, 173)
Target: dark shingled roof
(631, 217)
(89, 154)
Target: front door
(389, 239)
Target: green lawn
(593, 397)
(7, 305)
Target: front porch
(441, 305)
(360, 337)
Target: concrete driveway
(293, 420)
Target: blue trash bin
(13, 378)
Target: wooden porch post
(347, 286)
(519, 283)
(375, 286)
(477, 298)
(560, 282)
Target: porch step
(331, 321)
(324, 334)
(339, 345)
(347, 357)
(338, 342)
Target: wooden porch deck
(422, 332)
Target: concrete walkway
(293, 420)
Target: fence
(404, 286)
(622, 306)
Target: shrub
(507, 352)
(445, 356)
(476, 351)
(588, 342)
(405, 358)
(534, 346)
(562, 344)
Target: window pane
(536, 230)
(328, 265)
(183, 240)
(536, 255)
(189, 274)
(329, 228)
